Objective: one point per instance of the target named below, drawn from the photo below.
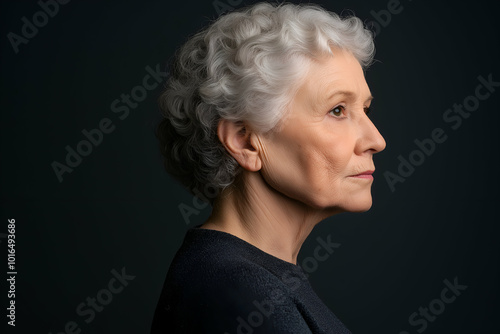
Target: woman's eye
(337, 111)
(367, 110)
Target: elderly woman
(266, 118)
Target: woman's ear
(238, 140)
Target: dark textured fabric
(219, 283)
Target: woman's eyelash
(342, 109)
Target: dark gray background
(118, 208)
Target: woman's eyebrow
(347, 93)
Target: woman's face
(326, 139)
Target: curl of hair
(244, 67)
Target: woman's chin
(356, 205)
(360, 206)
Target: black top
(219, 283)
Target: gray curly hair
(244, 67)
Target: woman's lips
(365, 175)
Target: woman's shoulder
(217, 257)
(216, 281)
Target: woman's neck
(255, 212)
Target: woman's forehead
(334, 77)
